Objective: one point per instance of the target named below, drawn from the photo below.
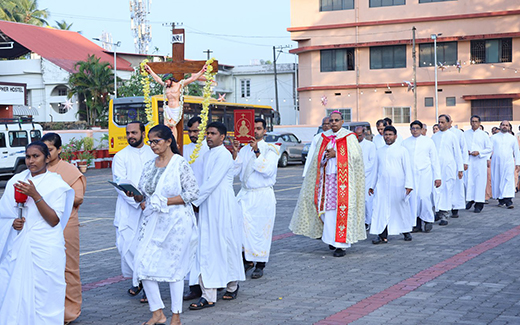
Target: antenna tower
(140, 25)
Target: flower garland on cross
(146, 92)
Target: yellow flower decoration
(206, 94)
(146, 91)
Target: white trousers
(329, 229)
(210, 294)
(151, 288)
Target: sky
(237, 31)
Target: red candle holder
(19, 197)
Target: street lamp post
(434, 38)
(115, 61)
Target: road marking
(98, 251)
(288, 189)
(93, 219)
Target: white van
(15, 134)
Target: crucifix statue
(178, 67)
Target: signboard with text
(12, 94)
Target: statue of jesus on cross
(173, 89)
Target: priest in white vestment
(219, 262)
(369, 161)
(505, 159)
(32, 249)
(127, 166)
(452, 168)
(257, 164)
(426, 174)
(378, 139)
(459, 194)
(479, 148)
(331, 204)
(391, 185)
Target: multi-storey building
(357, 56)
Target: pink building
(357, 56)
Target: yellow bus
(127, 109)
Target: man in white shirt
(427, 174)
(127, 166)
(505, 159)
(256, 164)
(369, 161)
(479, 149)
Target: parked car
(305, 152)
(290, 146)
(15, 134)
(352, 126)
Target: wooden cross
(178, 67)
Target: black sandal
(231, 295)
(201, 304)
(134, 291)
(144, 300)
(248, 266)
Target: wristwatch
(256, 151)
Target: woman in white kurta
(167, 237)
(32, 267)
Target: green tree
(133, 86)
(23, 11)
(93, 82)
(63, 25)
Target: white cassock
(310, 154)
(505, 158)
(391, 206)
(450, 160)
(197, 164)
(476, 175)
(379, 140)
(459, 195)
(426, 169)
(220, 222)
(369, 160)
(32, 262)
(257, 199)
(127, 165)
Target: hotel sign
(12, 93)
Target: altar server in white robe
(167, 237)
(219, 262)
(256, 164)
(452, 168)
(369, 161)
(196, 166)
(505, 159)
(479, 148)
(325, 126)
(426, 174)
(392, 185)
(459, 193)
(127, 166)
(32, 249)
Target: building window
(427, 1)
(446, 54)
(428, 101)
(491, 51)
(386, 3)
(388, 57)
(336, 60)
(345, 112)
(493, 109)
(245, 88)
(451, 101)
(398, 114)
(332, 5)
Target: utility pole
(208, 51)
(275, 57)
(414, 55)
(434, 38)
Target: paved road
(464, 273)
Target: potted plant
(88, 144)
(85, 159)
(75, 146)
(66, 153)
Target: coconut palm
(63, 25)
(23, 11)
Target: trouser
(210, 294)
(154, 295)
(384, 234)
(506, 200)
(259, 265)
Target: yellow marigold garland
(146, 91)
(206, 94)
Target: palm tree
(63, 25)
(93, 82)
(23, 11)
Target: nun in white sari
(32, 260)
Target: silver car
(290, 147)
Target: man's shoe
(248, 266)
(378, 241)
(332, 247)
(437, 216)
(454, 213)
(257, 273)
(469, 205)
(407, 236)
(443, 222)
(367, 227)
(478, 207)
(510, 206)
(416, 229)
(428, 226)
(194, 293)
(339, 252)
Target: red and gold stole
(342, 183)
